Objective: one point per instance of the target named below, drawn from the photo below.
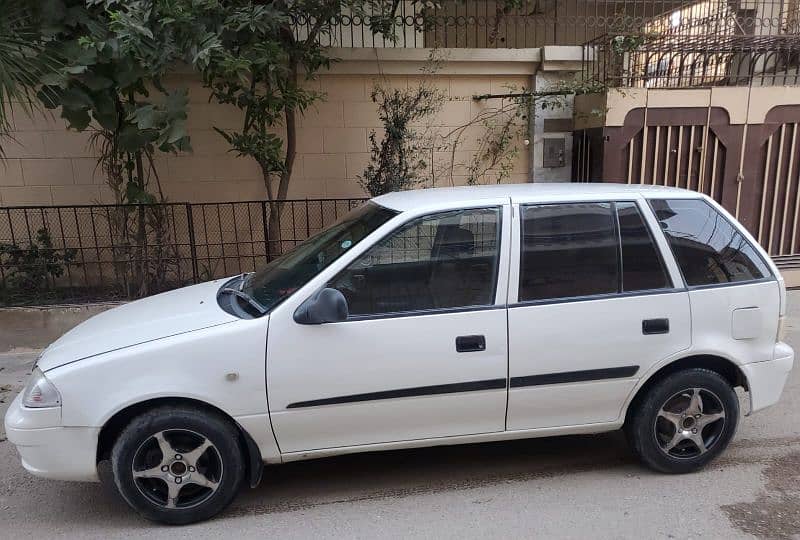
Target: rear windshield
(708, 248)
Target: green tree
(115, 56)
(266, 50)
(23, 60)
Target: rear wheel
(178, 465)
(684, 421)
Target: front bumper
(48, 449)
(765, 380)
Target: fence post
(308, 220)
(266, 229)
(192, 244)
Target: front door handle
(655, 326)
(470, 343)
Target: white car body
(279, 380)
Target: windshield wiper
(246, 297)
(244, 279)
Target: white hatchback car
(422, 318)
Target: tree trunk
(141, 233)
(273, 240)
(276, 200)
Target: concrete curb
(25, 329)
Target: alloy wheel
(689, 423)
(177, 469)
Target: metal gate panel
(685, 156)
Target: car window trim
(765, 279)
(435, 311)
(618, 235)
(421, 313)
(736, 226)
(592, 297)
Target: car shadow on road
(347, 479)
(380, 475)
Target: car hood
(163, 315)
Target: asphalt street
(566, 487)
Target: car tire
(683, 421)
(178, 464)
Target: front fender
(223, 366)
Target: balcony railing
(487, 24)
(681, 61)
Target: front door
(424, 351)
(597, 306)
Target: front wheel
(178, 465)
(684, 421)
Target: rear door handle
(470, 343)
(655, 326)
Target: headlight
(40, 392)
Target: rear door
(735, 297)
(593, 305)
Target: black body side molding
(475, 386)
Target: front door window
(440, 261)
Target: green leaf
(78, 54)
(105, 111)
(145, 116)
(50, 96)
(127, 74)
(96, 82)
(224, 135)
(176, 104)
(55, 78)
(131, 139)
(75, 70)
(176, 131)
(77, 119)
(75, 98)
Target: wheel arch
(117, 422)
(725, 367)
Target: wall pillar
(552, 127)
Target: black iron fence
(680, 61)
(69, 254)
(536, 23)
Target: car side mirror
(325, 306)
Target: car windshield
(284, 275)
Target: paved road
(572, 487)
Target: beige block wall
(49, 165)
(744, 105)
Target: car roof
(409, 200)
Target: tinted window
(707, 247)
(440, 261)
(642, 268)
(568, 250)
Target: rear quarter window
(707, 247)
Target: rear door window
(642, 266)
(568, 250)
(584, 249)
(707, 247)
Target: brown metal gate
(753, 171)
